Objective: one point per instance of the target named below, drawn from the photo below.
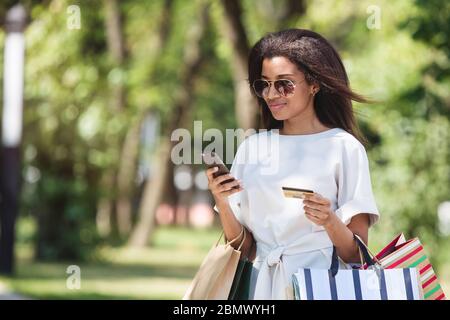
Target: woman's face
(295, 104)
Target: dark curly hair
(321, 64)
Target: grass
(161, 272)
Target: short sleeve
(354, 186)
(237, 171)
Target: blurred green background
(107, 82)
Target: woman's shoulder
(347, 140)
(254, 137)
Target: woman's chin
(278, 117)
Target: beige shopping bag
(214, 278)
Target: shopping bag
(215, 276)
(240, 289)
(400, 253)
(374, 283)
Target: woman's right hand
(222, 191)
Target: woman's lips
(276, 106)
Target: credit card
(295, 192)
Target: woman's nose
(272, 93)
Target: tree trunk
(292, 11)
(153, 190)
(151, 197)
(125, 171)
(116, 48)
(170, 193)
(105, 206)
(125, 179)
(246, 107)
(130, 147)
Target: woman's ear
(314, 89)
(313, 83)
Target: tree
(153, 190)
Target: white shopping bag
(383, 284)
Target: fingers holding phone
(221, 183)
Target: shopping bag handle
(235, 239)
(243, 238)
(368, 255)
(364, 251)
(365, 255)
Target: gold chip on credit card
(296, 193)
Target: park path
(6, 294)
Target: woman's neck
(307, 126)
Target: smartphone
(296, 193)
(211, 159)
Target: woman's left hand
(318, 209)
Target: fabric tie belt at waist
(272, 282)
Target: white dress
(332, 163)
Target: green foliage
(412, 163)
(72, 135)
(65, 123)
(411, 170)
(65, 223)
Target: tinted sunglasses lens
(284, 87)
(260, 87)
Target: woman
(304, 94)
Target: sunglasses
(284, 87)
